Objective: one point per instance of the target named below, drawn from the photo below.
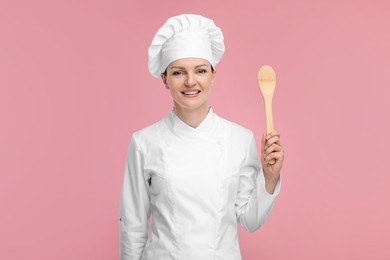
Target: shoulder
(151, 133)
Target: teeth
(191, 92)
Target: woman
(195, 173)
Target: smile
(191, 93)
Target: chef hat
(185, 36)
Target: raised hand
(271, 149)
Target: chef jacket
(196, 183)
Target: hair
(165, 72)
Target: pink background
(74, 86)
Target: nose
(190, 80)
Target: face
(190, 81)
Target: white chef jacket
(197, 183)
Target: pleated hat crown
(185, 36)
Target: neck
(192, 117)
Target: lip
(191, 93)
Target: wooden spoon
(267, 81)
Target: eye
(177, 73)
(202, 71)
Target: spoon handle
(268, 115)
(269, 120)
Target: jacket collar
(205, 126)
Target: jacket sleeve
(254, 203)
(134, 212)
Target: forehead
(189, 63)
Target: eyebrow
(178, 67)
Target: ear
(214, 75)
(164, 80)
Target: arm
(134, 210)
(253, 203)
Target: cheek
(174, 84)
(172, 92)
(208, 84)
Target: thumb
(263, 143)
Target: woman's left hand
(271, 149)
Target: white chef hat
(185, 36)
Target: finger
(278, 156)
(273, 148)
(263, 140)
(271, 141)
(273, 133)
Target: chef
(196, 174)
